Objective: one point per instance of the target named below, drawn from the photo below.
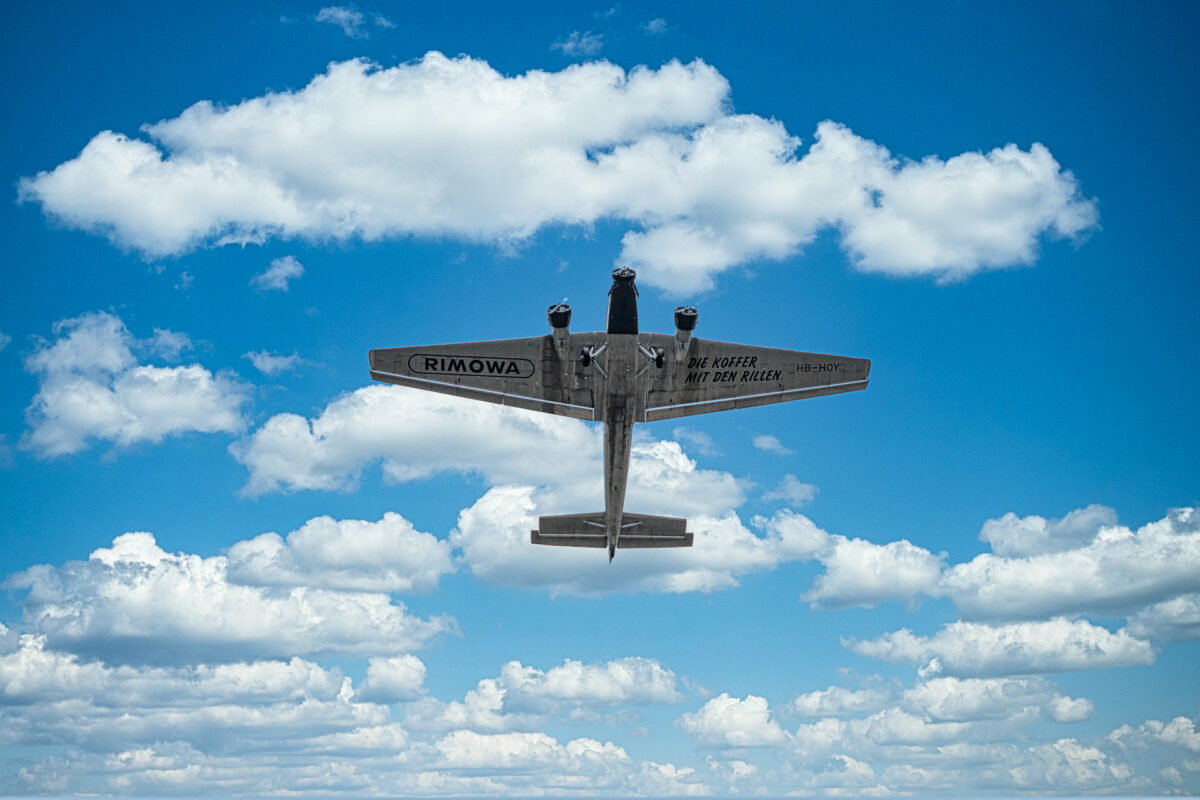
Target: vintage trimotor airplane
(619, 377)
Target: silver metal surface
(614, 378)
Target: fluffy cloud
(862, 573)
(771, 444)
(699, 441)
(278, 275)
(494, 531)
(1085, 563)
(655, 27)
(973, 699)
(415, 434)
(418, 434)
(726, 721)
(32, 673)
(792, 490)
(1181, 732)
(974, 649)
(1172, 620)
(838, 701)
(1067, 762)
(283, 726)
(627, 680)
(522, 695)
(511, 759)
(858, 572)
(580, 44)
(960, 732)
(352, 21)
(47, 695)
(1011, 536)
(445, 146)
(393, 679)
(134, 602)
(91, 386)
(271, 363)
(351, 555)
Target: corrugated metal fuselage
(619, 403)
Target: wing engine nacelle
(686, 318)
(559, 316)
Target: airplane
(620, 377)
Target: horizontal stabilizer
(571, 530)
(587, 530)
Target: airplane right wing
(524, 373)
(718, 376)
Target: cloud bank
(168, 670)
(92, 386)
(451, 147)
(267, 599)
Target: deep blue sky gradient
(1035, 390)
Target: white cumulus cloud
(92, 386)
(494, 532)
(655, 27)
(726, 721)
(350, 20)
(414, 434)
(279, 275)
(862, 573)
(521, 696)
(1172, 620)
(134, 602)
(580, 44)
(351, 555)
(354, 23)
(272, 363)
(443, 146)
(392, 679)
(627, 680)
(1094, 566)
(793, 490)
(837, 701)
(970, 649)
(1014, 536)
(1180, 731)
(771, 444)
(858, 572)
(975, 699)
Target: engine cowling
(686, 318)
(559, 315)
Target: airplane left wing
(719, 376)
(523, 373)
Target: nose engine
(622, 302)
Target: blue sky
(231, 565)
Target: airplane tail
(587, 530)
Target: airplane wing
(523, 373)
(718, 376)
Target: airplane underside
(619, 377)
